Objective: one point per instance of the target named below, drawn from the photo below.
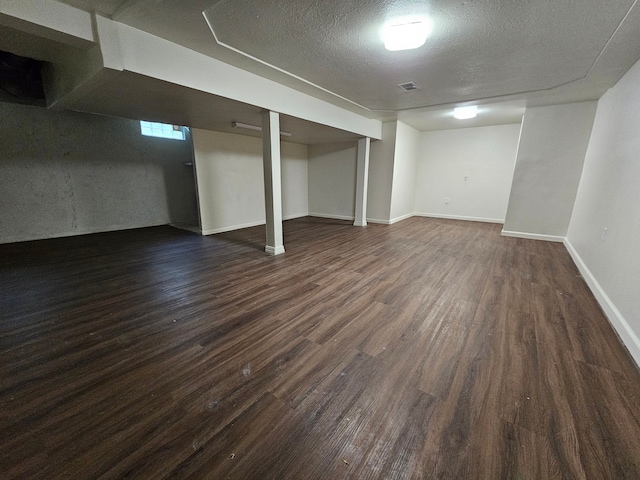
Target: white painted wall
(405, 168)
(609, 197)
(553, 143)
(381, 175)
(230, 180)
(487, 153)
(332, 180)
(67, 173)
(295, 180)
(392, 173)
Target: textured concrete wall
(68, 173)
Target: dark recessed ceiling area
(20, 80)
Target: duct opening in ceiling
(408, 86)
(20, 80)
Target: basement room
(369, 239)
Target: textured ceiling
(480, 50)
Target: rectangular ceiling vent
(408, 86)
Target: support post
(272, 181)
(362, 181)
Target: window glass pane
(162, 130)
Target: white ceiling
(501, 54)
(478, 49)
(435, 118)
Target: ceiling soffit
(103, 7)
(480, 50)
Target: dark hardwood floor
(430, 349)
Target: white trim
(231, 228)
(460, 217)
(400, 218)
(377, 220)
(188, 228)
(621, 326)
(533, 236)
(295, 215)
(274, 250)
(335, 217)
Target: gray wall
(68, 173)
(381, 164)
(332, 179)
(553, 143)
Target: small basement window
(163, 130)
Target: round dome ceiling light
(465, 113)
(406, 34)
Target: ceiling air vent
(408, 86)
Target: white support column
(362, 181)
(272, 181)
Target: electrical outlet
(446, 200)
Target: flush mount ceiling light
(256, 128)
(406, 34)
(464, 113)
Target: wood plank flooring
(430, 349)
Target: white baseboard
(459, 217)
(533, 236)
(334, 217)
(295, 215)
(377, 220)
(620, 325)
(400, 218)
(188, 228)
(409, 215)
(231, 228)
